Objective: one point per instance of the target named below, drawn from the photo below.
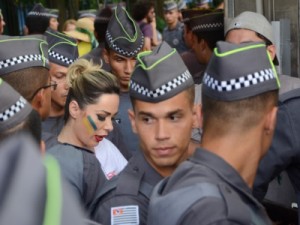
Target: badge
(127, 214)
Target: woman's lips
(99, 138)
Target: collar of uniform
(139, 171)
(221, 167)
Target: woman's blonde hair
(87, 82)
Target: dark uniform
(51, 128)
(129, 192)
(284, 153)
(205, 190)
(81, 169)
(175, 37)
(32, 192)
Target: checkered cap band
(115, 47)
(208, 26)
(32, 13)
(60, 57)
(238, 83)
(19, 60)
(13, 110)
(164, 89)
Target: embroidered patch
(128, 214)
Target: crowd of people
(109, 122)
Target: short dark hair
(211, 38)
(244, 113)
(31, 124)
(100, 25)
(141, 9)
(27, 81)
(37, 26)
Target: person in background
(144, 13)
(2, 23)
(69, 25)
(87, 13)
(207, 30)
(38, 19)
(53, 22)
(181, 6)
(239, 107)
(62, 52)
(189, 57)
(282, 157)
(84, 34)
(26, 69)
(90, 108)
(123, 41)
(163, 114)
(100, 26)
(173, 33)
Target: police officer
(63, 52)
(25, 66)
(239, 97)
(123, 41)
(163, 114)
(173, 32)
(32, 193)
(284, 151)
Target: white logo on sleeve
(125, 215)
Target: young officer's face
(171, 16)
(94, 122)
(122, 67)
(164, 130)
(58, 74)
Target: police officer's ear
(197, 116)
(106, 55)
(132, 120)
(272, 50)
(270, 121)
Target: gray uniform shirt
(226, 198)
(51, 128)
(284, 153)
(131, 140)
(175, 37)
(81, 170)
(125, 198)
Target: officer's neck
(242, 152)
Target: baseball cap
(255, 22)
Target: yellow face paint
(89, 124)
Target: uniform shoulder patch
(127, 214)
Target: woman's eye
(101, 118)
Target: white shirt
(111, 160)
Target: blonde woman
(91, 105)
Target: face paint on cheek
(89, 124)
